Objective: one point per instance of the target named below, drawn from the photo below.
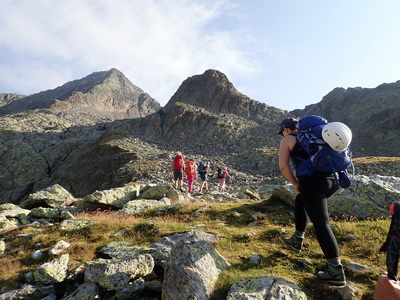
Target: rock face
(372, 114)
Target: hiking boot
(333, 274)
(294, 242)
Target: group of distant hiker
(191, 169)
(320, 156)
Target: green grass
(359, 241)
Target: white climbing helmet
(337, 135)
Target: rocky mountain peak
(106, 93)
(213, 92)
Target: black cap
(287, 123)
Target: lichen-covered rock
(2, 247)
(72, 225)
(115, 274)
(368, 196)
(163, 246)
(160, 191)
(53, 271)
(192, 271)
(8, 223)
(86, 291)
(265, 287)
(131, 291)
(59, 247)
(123, 250)
(12, 210)
(52, 196)
(116, 197)
(139, 206)
(45, 213)
(28, 291)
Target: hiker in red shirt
(178, 166)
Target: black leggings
(312, 203)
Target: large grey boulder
(12, 210)
(53, 271)
(158, 192)
(115, 274)
(192, 270)
(139, 206)
(86, 291)
(116, 197)
(12, 215)
(123, 250)
(52, 196)
(163, 247)
(265, 287)
(368, 196)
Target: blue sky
(287, 54)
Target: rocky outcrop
(367, 197)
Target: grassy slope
(359, 241)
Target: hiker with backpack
(204, 168)
(222, 174)
(190, 171)
(178, 166)
(313, 186)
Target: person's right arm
(285, 148)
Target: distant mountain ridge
(107, 93)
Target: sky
(287, 54)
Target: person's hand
(387, 289)
(297, 186)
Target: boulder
(45, 213)
(28, 291)
(52, 196)
(72, 225)
(115, 274)
(59, 247)
(6, 223)
(160, 191)
(139, 206)
(163, 247)
(123, 250)
(368, 196)
(12, 210)
(2, 247)
(116, 197)
(265, 287)
(86, 291)
(53, 271)
(192, 270)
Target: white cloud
(156, 43)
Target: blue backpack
(313, 154)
